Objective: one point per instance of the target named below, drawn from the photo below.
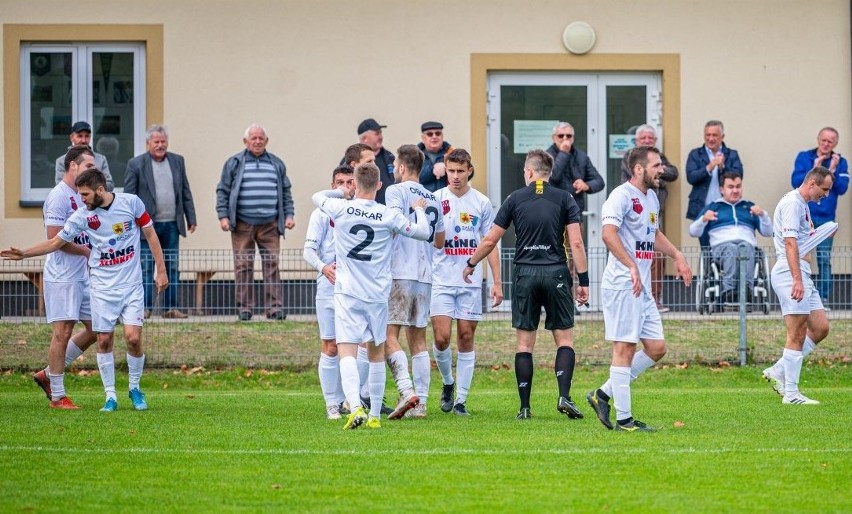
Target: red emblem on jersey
(93, 222)
(73, 203)
(445, 206)
(637, 206)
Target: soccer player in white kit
(319, 253)
(801, 306)
(66, 282)
(363, 233)
(411, 287)
(112, 222)
(630, 217)
(468, 216)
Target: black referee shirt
(540, 212)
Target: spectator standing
(573, 171)
(826, 210)
(254, 203)
(370, 134)
(433, 175)
(704, 165)
(646, 135)
(81, 134)
(158, 178)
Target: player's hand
(439, 170)
(798, 291)
(420, 202)
(289, 223)
(329, 271)
(582, 295)
(709, 216)
(496, 295)
(466, 273)
(225, 224)
(161, 281)
(682, 270)
(756, 210)
(347, 192)
(636, 280)
(12, 254)
(580, 186)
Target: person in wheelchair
(730, 222)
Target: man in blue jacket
(730, 222)
(704, 166)
(824, 211)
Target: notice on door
(532, 134)
(620, 144)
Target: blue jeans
(169, 237)
(823, 258)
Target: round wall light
(578, 37)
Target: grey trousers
(725, 255)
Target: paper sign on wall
(620, 144)
(532, 134)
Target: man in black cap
(433, 174)
(370, 134)
(81, 134)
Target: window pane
(112, 108)
(50, 114)
(626, 109)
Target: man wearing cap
(81, 134)
(433, 175)
(370, 133)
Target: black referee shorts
(534, 287)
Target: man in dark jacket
(572, 169)
(433, 174)
(158, 178)
(370, 134)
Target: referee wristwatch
(470, 264)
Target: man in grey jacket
(254, 203)
(158, 178)
(81, 134)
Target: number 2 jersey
(412, 259)
(637, 216)
(467, 219)
(363, 233)
(114, 236)
(59, 266)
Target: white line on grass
(413, 451)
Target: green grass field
(252, 440)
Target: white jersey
(467, 219)
(320, 238)
(363, 233)
(114, 235)
(412, 259)
(59, 266)
(637, 216)
(792, 219)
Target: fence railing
(699, 327)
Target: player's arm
(791, 251)
(486, 246)
(497, 287)
(161, 280)
(43, 248)
(70, 248)
(609, 235)
(420, 230)
(578, 253)
(682, 269)
(320, 197)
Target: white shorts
(630, 319)
(356, 321)
(408, 304)
(67, 301)
(128, 303)
(456, 302)
(782, 284)
(325, 318)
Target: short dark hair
(343, 169)
(639, 155)
(353, 153)
(459, 156)
(75, 154)
(92, 178)
(367, 176)
(411, 156)
(729, 175)
(540, 161)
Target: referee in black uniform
(542, 215)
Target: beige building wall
(775, 71)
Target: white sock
(57, 386)
(444, 360)
(398, 363)
(378, 376)
(363, 370)
(792, 370)
(620, 378)
(106, 365)
(72, 351)
(808, 347)
(134, 371)
(421, 368)
(329, 375)
(640, 363)
(349, 381)
(464, 368)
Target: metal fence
(698, 327)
